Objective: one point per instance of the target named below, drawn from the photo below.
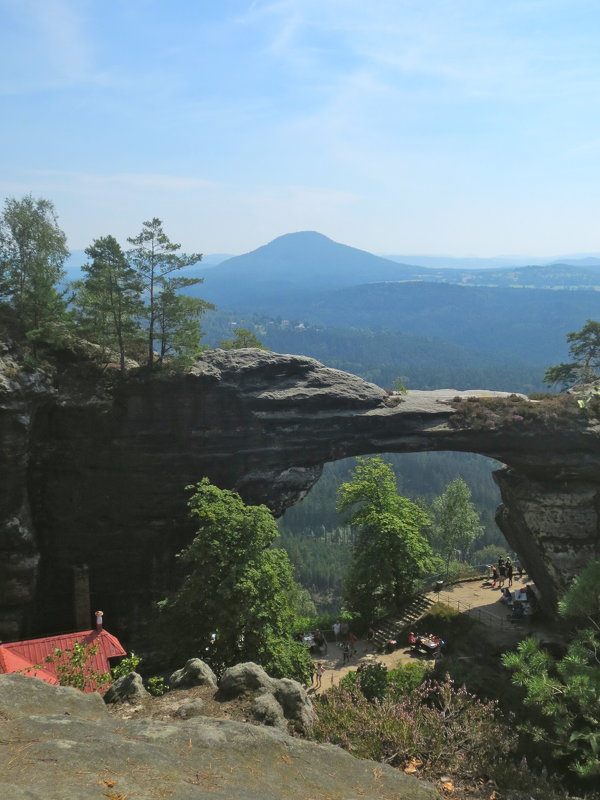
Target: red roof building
(29, 656)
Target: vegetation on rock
(237, 586)
(566, 691)
(390, 553)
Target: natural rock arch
(102, 482)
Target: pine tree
(154, 257)
(108, 300)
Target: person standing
(502, 571)
(320, 672)
(352, 640)
(509, 571)
(336, 630)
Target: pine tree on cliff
(153, 257)
(108, 300)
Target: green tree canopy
(108, 300)
(236, 586)
(153, 257)
(32, 252)
(566, 691)
(390, 552)
(177, 319)
(585, 351)
(241, 338)
(455, 520)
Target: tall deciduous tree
(456, 522)
(236, 586)
(109, 298)
(390, 552)
(32, 252)
(585, 351)
(154, 256)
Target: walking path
(471, 597)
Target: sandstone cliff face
(102, 482)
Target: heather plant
(447, 729)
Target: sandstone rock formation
(59, 743)
(195, 672)
(291, 697)
(100, 480)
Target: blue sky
(462, 127)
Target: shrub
(447, 729)
(125, 666)
(157, 685)
(405, 678)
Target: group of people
(428, 643)
(503, 572)
(516, 602)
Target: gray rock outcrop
(65, 748)
(98, 477)
(126, 689)
(267, 710)
(244, 678)
(291, 697)
(195, 672)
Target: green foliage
(581, 601)
(127, 664)
(236, 586)
(398, 384)
(455, 521)
(373, 681)
(566, 692)
(108, 300)
(390, 552)
(584, 349)
(32, 252)
(153, 257)
(242, 337)
(177, 319)
(405, 678)
(72, 667)
(157, 686)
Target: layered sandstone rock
(101, 481)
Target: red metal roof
(24, 656)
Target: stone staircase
(393, 628)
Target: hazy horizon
(439, 128)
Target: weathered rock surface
(195, 672)
(292, 698)
(193, 708)
(69, 748)
(101, 480)
(127, 689)
(267, 710)
(244, 678)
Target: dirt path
(472, 597)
